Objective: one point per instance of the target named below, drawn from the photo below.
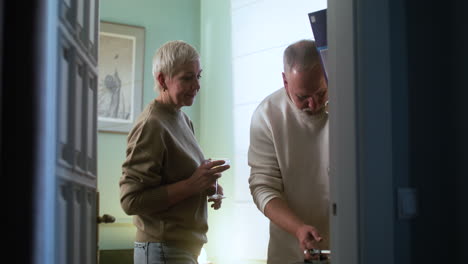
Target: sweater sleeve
(265, 179)
(141, 188)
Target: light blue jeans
(161, 253)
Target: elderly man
(288, 156)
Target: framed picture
(120, 81)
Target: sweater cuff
(263, 195)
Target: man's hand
(309, 238)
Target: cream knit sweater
(288, 156)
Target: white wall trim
(361, 134)
(343, 148)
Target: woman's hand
(206, 175)
(216, 202)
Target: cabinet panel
(65, 85)
(79, 100)
(91, 138)
(89, 225)
(77, 220)
(63, 222)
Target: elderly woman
(165, 177)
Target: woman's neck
(163, 98)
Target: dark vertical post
(19, 64)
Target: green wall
(216, 117)
(163, 20)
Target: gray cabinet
(77, 132)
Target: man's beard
(309, 111)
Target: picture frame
(120, 76)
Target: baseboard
(116, 256)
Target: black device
(318, 22)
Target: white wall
(261, 30)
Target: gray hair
(300, 55)
(170, 56)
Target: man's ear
(285, 81)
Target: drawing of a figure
(116, 78)
(113, 84)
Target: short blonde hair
(170, 56)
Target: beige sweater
(161, 150)
(288, 156)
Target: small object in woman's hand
(216, 195)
